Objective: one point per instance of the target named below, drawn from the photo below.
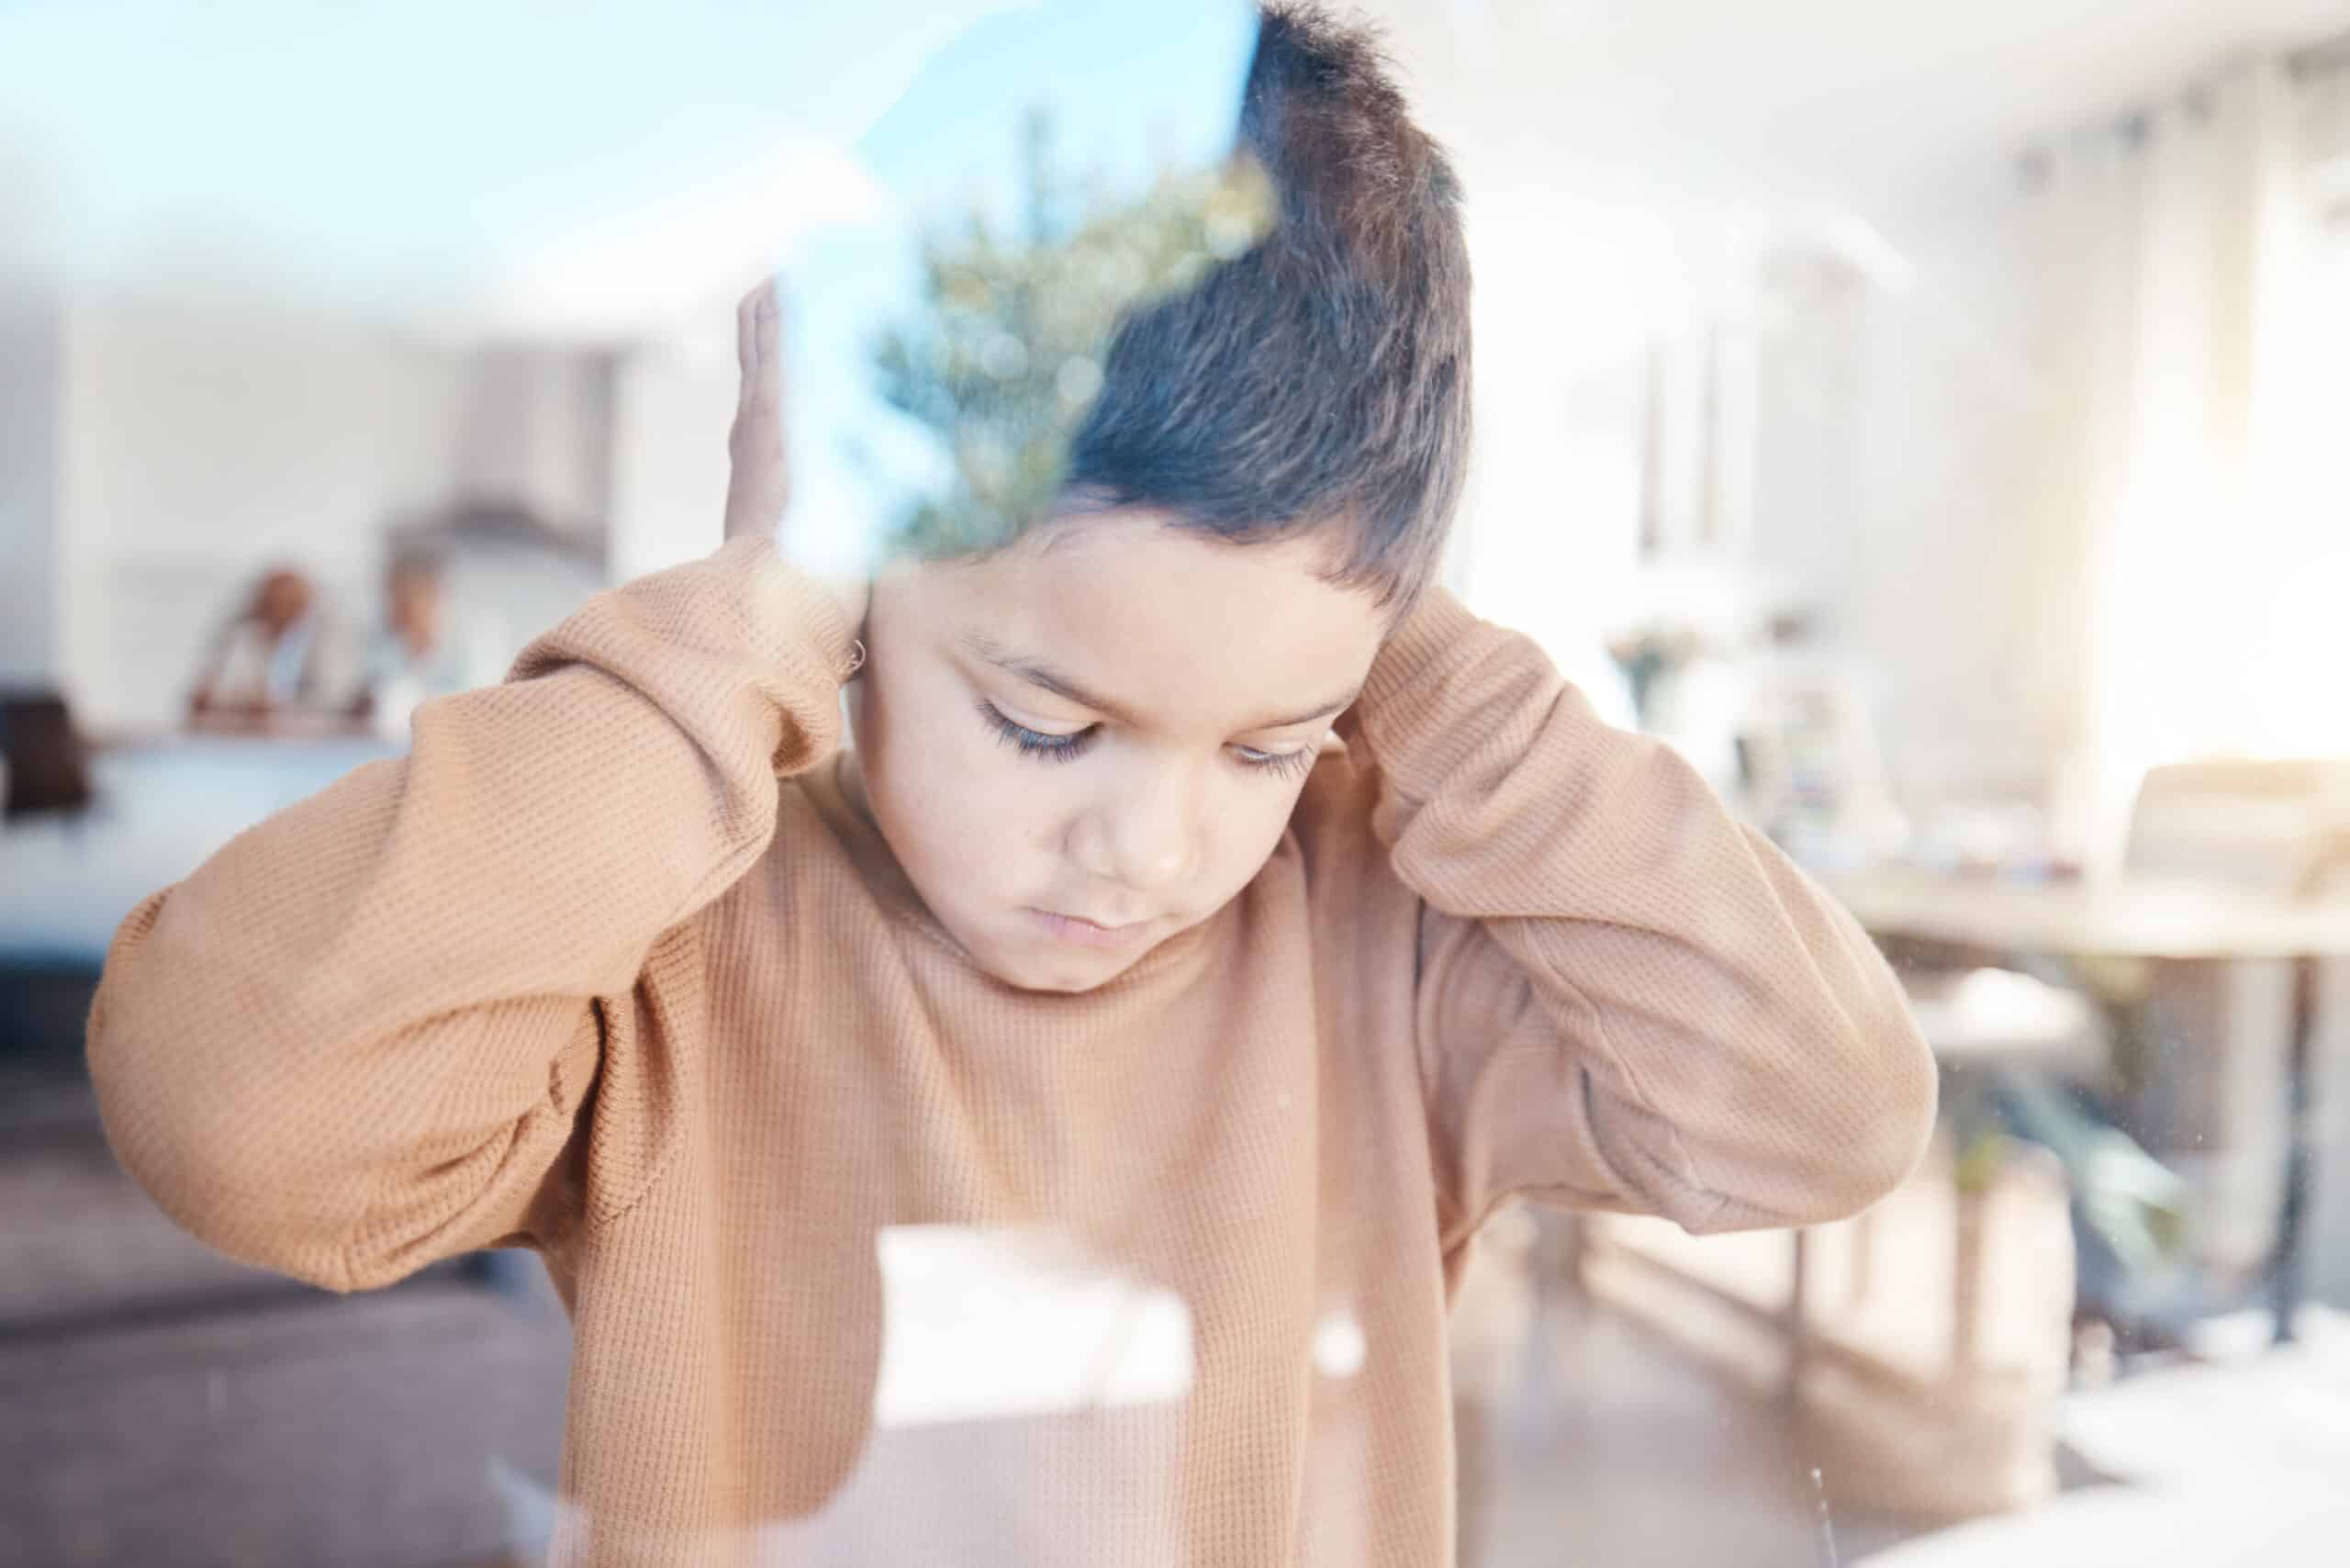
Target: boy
(1046, 1132)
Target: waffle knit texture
(607, 967)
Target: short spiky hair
(1319, 380)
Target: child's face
(1080, 747)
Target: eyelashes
(1031, 742)
(1279, 763)
(1069, 747)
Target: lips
(1080, 932)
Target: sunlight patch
(987, 1324)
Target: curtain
(2190, 438)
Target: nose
(1147, 833)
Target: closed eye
(1282, 764)
(1036, 743)
(1068, 747)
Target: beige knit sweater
(872, 1259)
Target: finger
(767, 320)
(752, 341)
(762, 382)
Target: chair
(47, 767)
(2203, 1049)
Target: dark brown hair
(1320, 379)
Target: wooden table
(2138, 918)
(2129, 918)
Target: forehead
(1180, 630)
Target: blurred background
(1928, 418)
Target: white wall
(670, 411)
(204, 442)
(1890, 432)
(1565, 298)
(534, 423)
(1894, 496)
(156, 455)
(31, 331)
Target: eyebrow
(982, 646)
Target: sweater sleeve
(361, 1037)
(1625, 998)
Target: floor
(2241, 1458)
(1610, 1450)
(1609, 1447)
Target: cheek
(961, 809)
(1250, 817)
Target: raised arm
(360, 1036)
(1625, 998)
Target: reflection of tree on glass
(1005, 359)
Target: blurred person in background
(422, 650)
(273, 662)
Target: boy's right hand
(759, 481)
(758, 477)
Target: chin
(1065, 973)
(1065, 977)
